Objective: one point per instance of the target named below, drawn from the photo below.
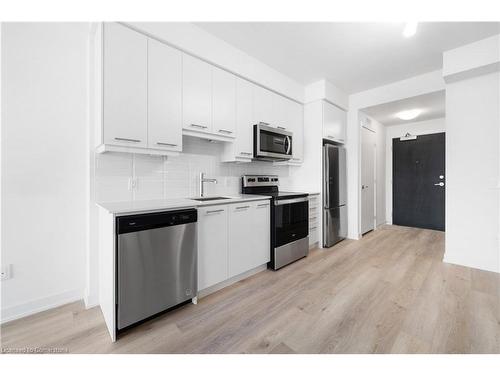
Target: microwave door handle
(288, 144)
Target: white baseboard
(90, 300)
(38, 305)
(458, 262)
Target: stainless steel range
(289, 219)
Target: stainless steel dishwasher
(156, 263)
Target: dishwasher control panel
(134, 223)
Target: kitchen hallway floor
(387, 293)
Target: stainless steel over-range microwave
(270, 143)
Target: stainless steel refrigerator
(334, 194)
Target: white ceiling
(432, 106)
(353, 56)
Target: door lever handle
(439, 184)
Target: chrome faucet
(202, 180)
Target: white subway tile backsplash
(174, 176)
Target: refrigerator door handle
(326, 168)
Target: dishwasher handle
(136, 223)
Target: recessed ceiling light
(410, 29)
(409, 115)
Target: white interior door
(367, 180)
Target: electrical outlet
(6, 272)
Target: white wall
(397, 131)
(472, 172)
(43, 164)
(472, 75)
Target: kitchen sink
(203, 199)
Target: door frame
(389, 164)
(360, 228)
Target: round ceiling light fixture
(410, 29)
(409, 114)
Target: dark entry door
(418, 177)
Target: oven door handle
(289, 201)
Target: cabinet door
(164, 97)
(196, 94)
(263, 105)
(244, 119)
(334, 123)
(212, 246)
(124, 86)
(295, 116)
(261, 253)
(280, 107)
(249, 241)
(223, 102)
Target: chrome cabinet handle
(214, 211)
(263, 205)
(313, 227)
(225, 131)
(166, 144)
(199, 126)
(242, 207)
(439, 184)
(127, 139)
(245, 153)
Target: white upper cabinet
(125, 86)
(223, 102)
(241, 150)
(196, 94)
(244, 118)
(263, 106)
(295, 121)
(334, 123)
(164, 97)
(280, 108)
(243, 145)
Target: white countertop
(125, 208)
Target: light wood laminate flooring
(389, 292)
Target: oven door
(291, 220)
(272, 143)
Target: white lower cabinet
(232, 239)
(249, 231)
(212, 246)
